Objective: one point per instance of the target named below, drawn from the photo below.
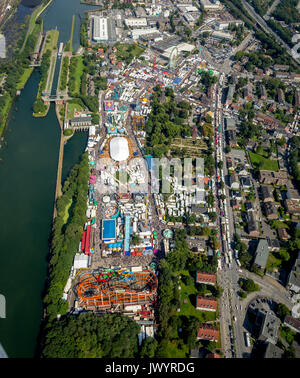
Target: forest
(92, 336)
(67, 232)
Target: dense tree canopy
(89, 335)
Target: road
(267, 29)
(270, 10)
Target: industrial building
(211, 4)
(135, 22)
(104, 29)
(137, 33)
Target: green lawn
(77, 74)
(173, 351)
(24, 78)
(51, 40)
(189, 308)
(50, 74)
(4, 111)
(69, 46)
(266, 164)
(273, 262)
(66, 215)
(72, 107)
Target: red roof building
(206, 278)
(208, 332)
(206, 303)
(212, 355)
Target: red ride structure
(87, 240)
(83, 241)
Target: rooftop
(262, 253)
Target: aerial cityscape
(150, 179)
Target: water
(73, 150)
(28, 178)
(27, 188)
(56, 76)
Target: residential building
(231, 138)
(280, 96)
(274, 245)
(293, 281)
(230, 123)
(282, 75)
(206, 278)
(292, 323)
(269, 327)
(246, 183)
(282, 234)
(230, 93)
(273, 351)
(273, 178)
(212, 355)
(206, 303)
(263, 93)
(266, 194)
(270, 210)
(208, 332)
(267, 120)
(281, 67)
(234, 181)
(236, 194)
(261, 253)
(297, 98)
(292, 206)
(252, 224)
(293, 194)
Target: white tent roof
(119, 150)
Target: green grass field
(77, 74)
(24, 78)
(51, 40)
(173, 351)
(188, 309)
(69, 44)
(273, 262)
(72, 108)
(4, 112)
(262, 163)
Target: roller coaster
(116, 287)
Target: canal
(28, 164)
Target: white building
(211, 4)
(222, 35)
(136, 22)
(119, 150)
(136, 33)
(100, 29)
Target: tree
(220, 164)
(39, 106)
(282, 311)
(136, 240)
(90, 335)
(249, 285)
(148, 348)
(212, 216)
